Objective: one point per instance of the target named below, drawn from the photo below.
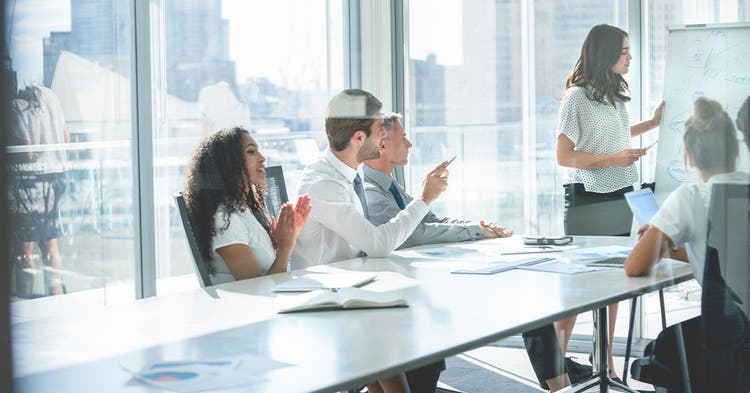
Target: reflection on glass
(70, 177)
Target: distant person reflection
(36, 118)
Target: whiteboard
(711, 61)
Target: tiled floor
(513, 363)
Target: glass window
(70, 183)
(465, 99)
(269, 67)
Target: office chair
(723, 360)
(275, 197)
(200, 267)
(276, 186)
(620, 213)
(725, 301)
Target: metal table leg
(601, 368)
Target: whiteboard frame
(699, 26)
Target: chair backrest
(200, 267)
(729, 235)
(276, 190)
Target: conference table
(323, 351)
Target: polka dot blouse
(596, 128)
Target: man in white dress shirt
(338, 228)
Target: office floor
(512, 363)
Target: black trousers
(592, 213)
(425, 379)
(674, 347)
(544, 352)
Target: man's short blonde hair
(350, 111)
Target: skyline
(301, 50)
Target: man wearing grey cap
(338, 227)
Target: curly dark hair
(600, 51)
(217, 175)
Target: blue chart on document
(711, 61)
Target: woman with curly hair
(226, 182)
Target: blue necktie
(397, 195)
(360, 190)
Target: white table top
(329, 350)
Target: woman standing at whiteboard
(593, 142)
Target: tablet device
(643, 205)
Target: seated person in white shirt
(711, 148)
(386, 198)
(224, 197)
(338, 228)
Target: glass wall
(465, 99)
(483, 77)
(269, 67)
(70, 171)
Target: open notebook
(345, 298)
(314, 281)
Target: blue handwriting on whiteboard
(739, 79)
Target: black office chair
(725, 306)
(200, 268)
(276, 196)
(619, 222)
(722, 362)
(276, 186)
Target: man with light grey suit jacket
(386, 198)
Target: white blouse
(243, 228)
(684, 217)
(596, 128)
